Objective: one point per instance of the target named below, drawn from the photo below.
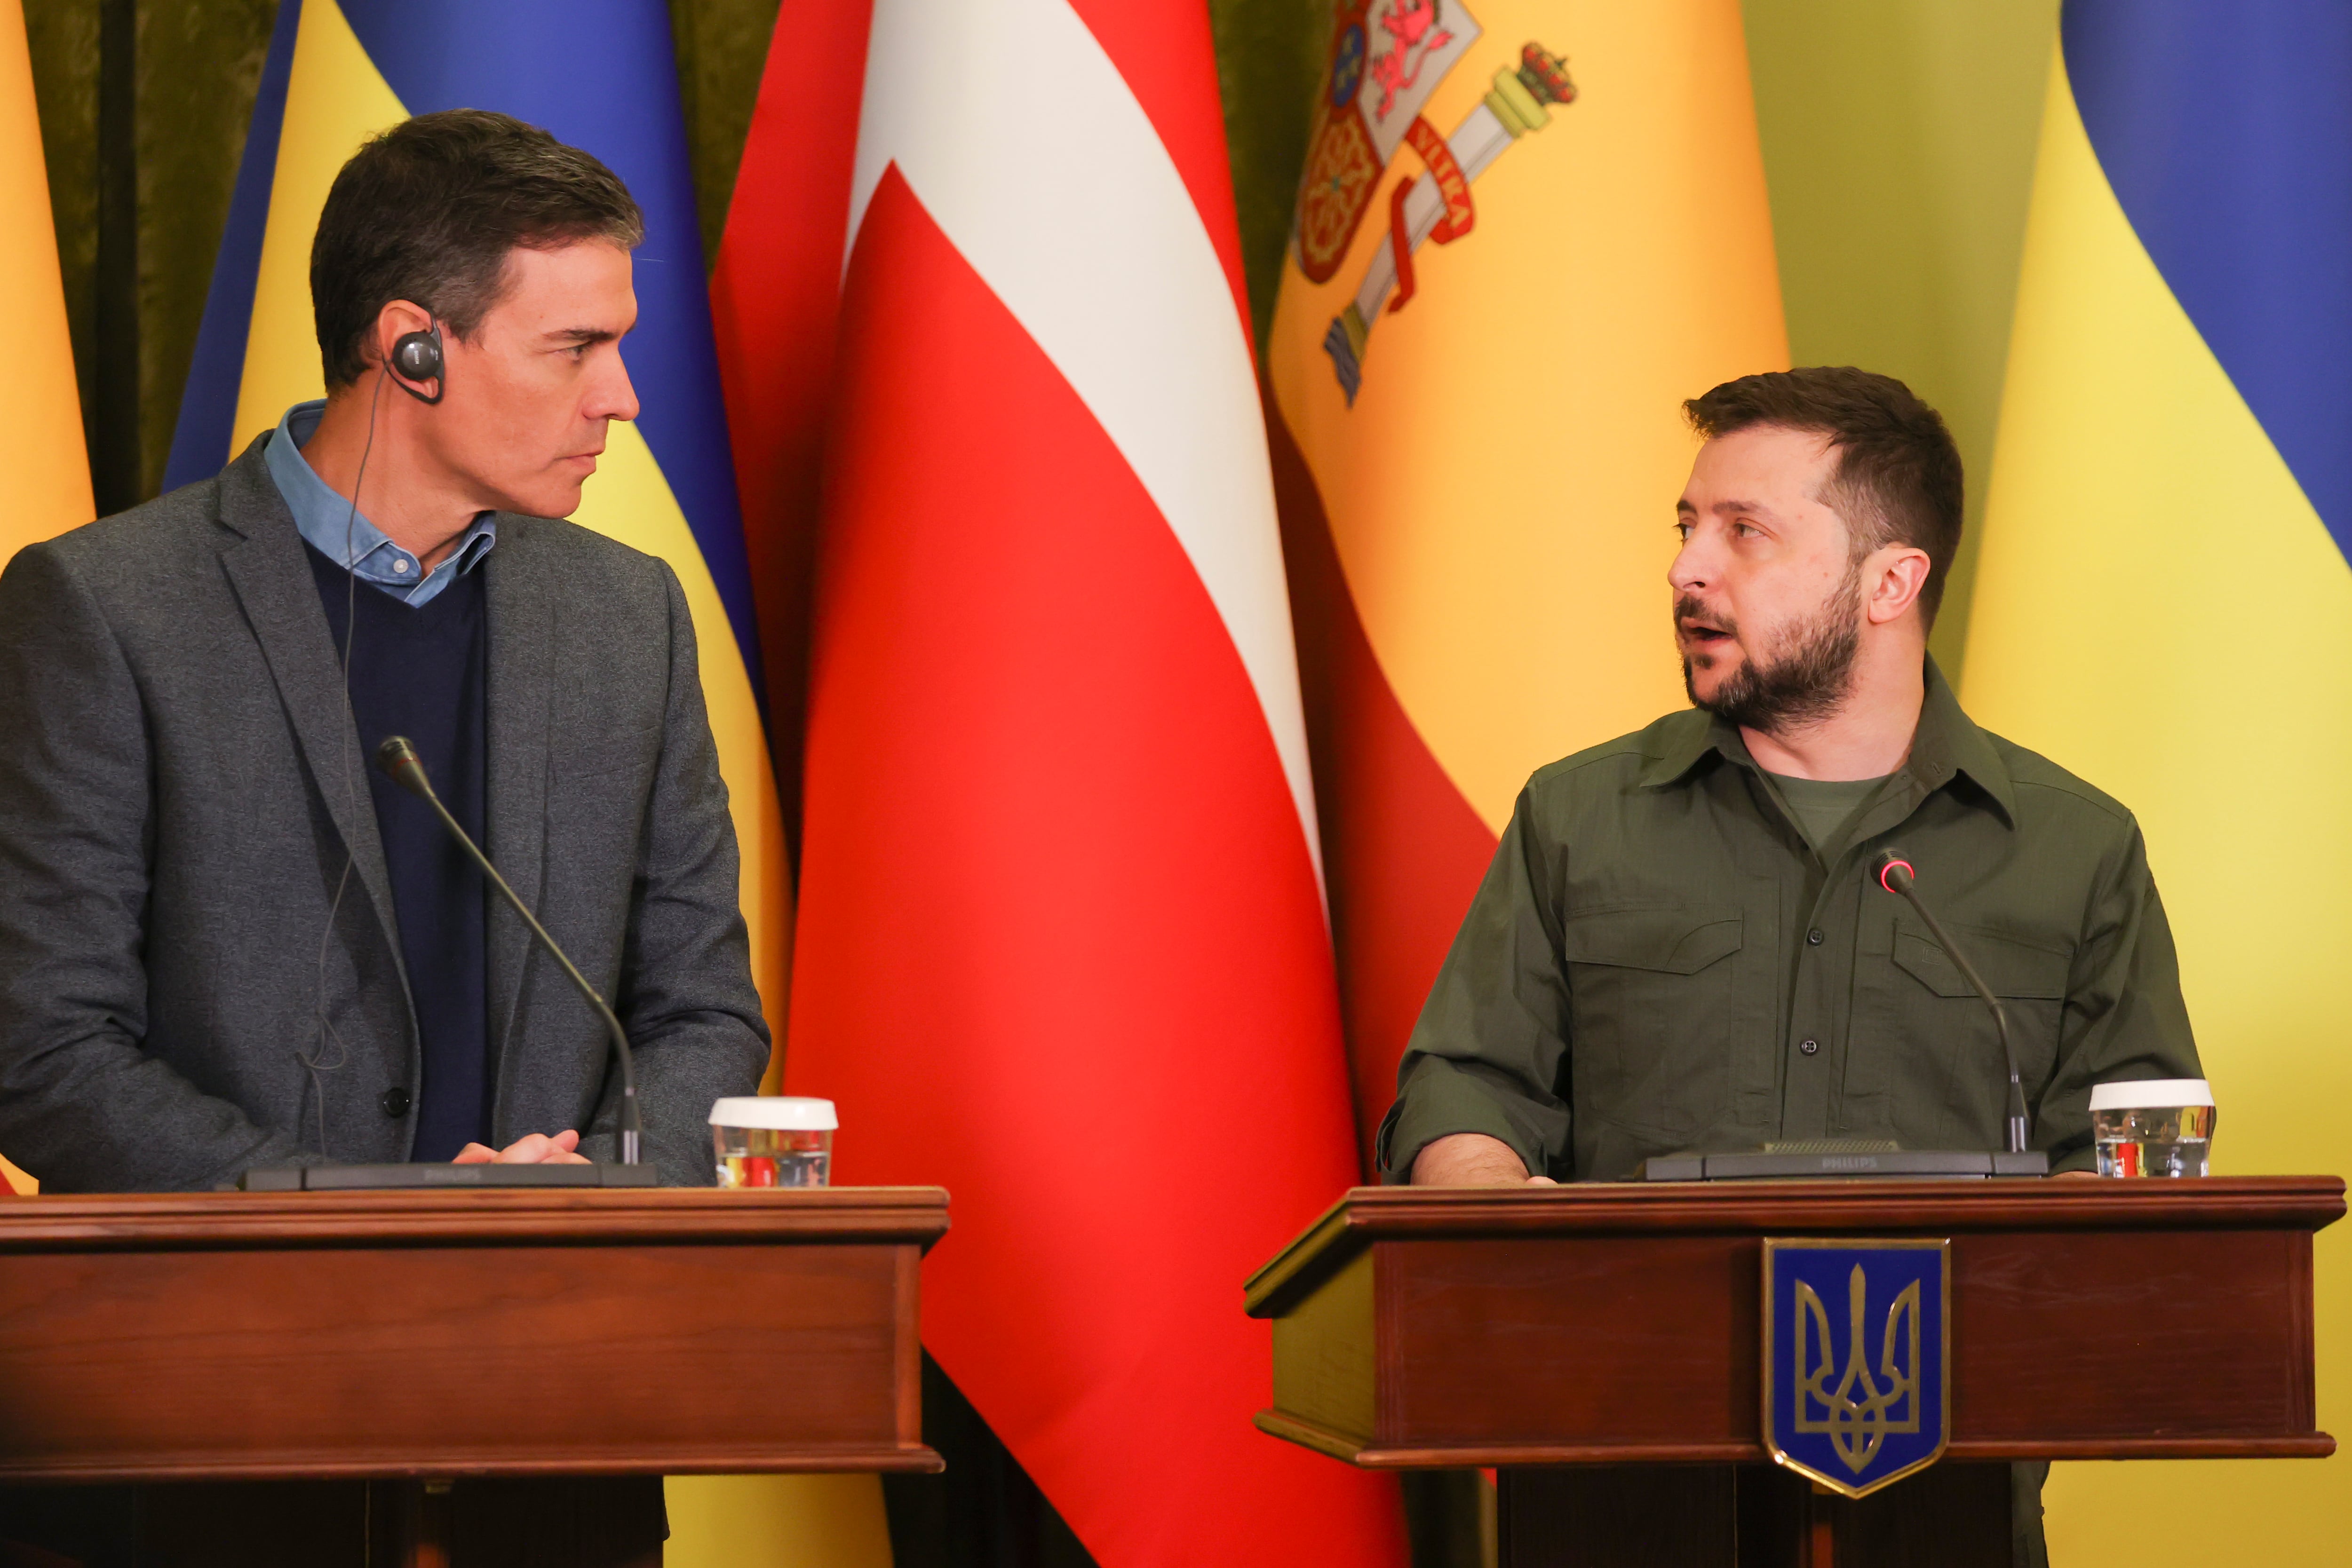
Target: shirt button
(1815, 936)
(401, 567)
(394, 1100)
(1807, 1046)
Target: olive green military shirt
(1659, 959)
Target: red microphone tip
(1886, 870)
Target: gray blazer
(181, 785)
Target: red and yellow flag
(1528, 229)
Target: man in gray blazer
(226, 941)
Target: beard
(1807, 682)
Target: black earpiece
(417, 356)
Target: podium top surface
(1369, 1214)
(559, 1216)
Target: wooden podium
(1602, 1343)
(423, 1336)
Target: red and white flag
(1062, 944)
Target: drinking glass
(773, 1140)
(2155, 1127)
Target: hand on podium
(1472, 1159)
(532, 1149)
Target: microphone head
(400, 762)
(1887, 863)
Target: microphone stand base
(438, 1177)
(1827, 1160)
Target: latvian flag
(1062, 945)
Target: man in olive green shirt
(1679, 944)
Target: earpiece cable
(315, 1062)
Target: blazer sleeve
(83, 1107)
(686, 996)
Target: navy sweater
(424, 673)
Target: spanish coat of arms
(1387, 58)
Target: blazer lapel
(521, 607)
(272, 580)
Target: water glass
(2155, 1127)
(773, 1140)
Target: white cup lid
(777, 1113)
(2151, 1094)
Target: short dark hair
(1898, 477)
(429, 211)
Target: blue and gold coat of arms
(1857, 1359)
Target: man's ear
(1894, 577)
(394, 321)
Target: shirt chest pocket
(1929, 1015)
(1655, 1006)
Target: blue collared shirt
(331, 527)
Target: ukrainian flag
(43, 471)
(2164, 604)
(601, 75)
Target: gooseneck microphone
(1894, 874)
(398, 759)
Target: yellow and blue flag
(2164, 601)
(44, 467)
(601, 75)
(44, 470)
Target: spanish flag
(44, 470)
(1528, 230)
(601, 75)
(2163, 600)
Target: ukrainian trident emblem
(1856, 1360)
